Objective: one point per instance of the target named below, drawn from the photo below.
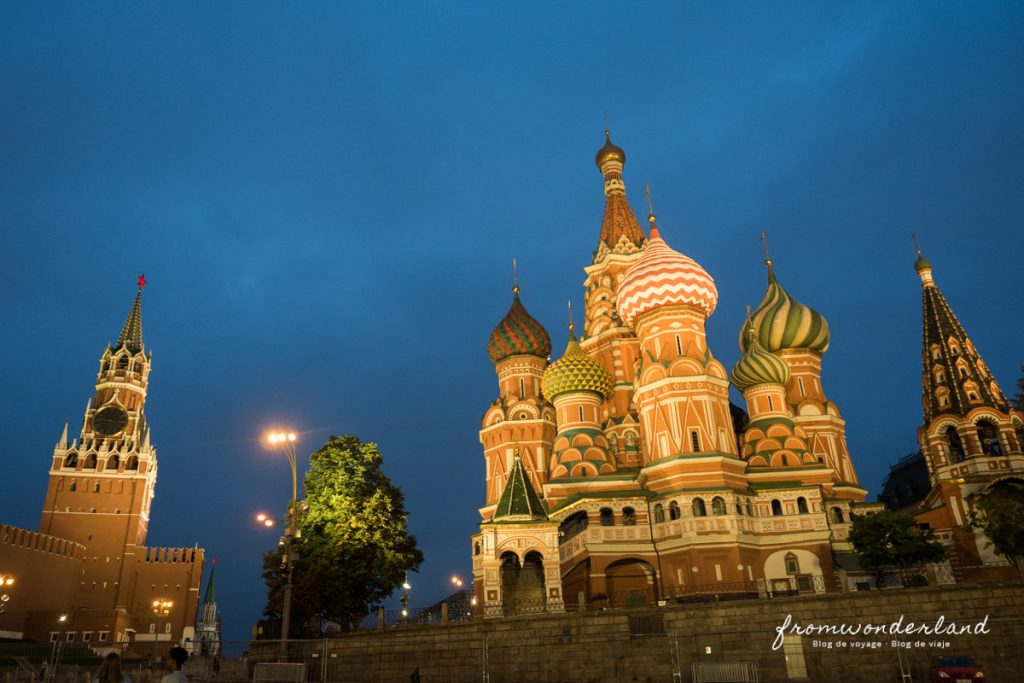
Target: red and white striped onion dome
(664, 277)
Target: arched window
(989, 437)
(584, 471)
(785, 460)
(956, 446)
(673, 510)
(132, 463)
(628, 517)
(573, 525)
(659, 513)
(739, 508)
(699, 509)
(717, 505)
(963, 372)
(750, 509)
(837, 515)
(476, 548)
(695, 441)
(71, 460)
(73, 487)
(801, 505)
(776, 507)
(607, 517)
(792, 564)
(122, 363)
(112, 462)
(90, 461)
(96, 487)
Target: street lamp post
(286, 442)
(6, 581)
(405, 599)
(161, 608)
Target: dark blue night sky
(326, 199)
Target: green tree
(999, 512)
(354, 547)
(886, 540)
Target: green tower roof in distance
(519, 502)
(210, 595)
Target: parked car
(957, 669)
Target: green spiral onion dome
(759, 366)
(782, 322)
(575, 371)
(518, 333)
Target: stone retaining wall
(659, 645)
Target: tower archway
(630, 583)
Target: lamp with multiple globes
(6, 581)
(265, 519)
(161, 608)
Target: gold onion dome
(518, 333)
(759, 366)
(610, 152)
(575, 371)
(781, 322)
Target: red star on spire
(142, 281)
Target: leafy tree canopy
(354, 547)
(999, 512)
(886, 540)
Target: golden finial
(764, 245)
(515, 277)
(572, 325)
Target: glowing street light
(161, 608)
(286, 442)
(265, 519)
(457, 581)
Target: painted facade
(649, 484)
(97, 570)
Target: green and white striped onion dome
(782, 322)
(759, 366)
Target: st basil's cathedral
(621, 475)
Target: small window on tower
(695, 441)
(96, 487)
(581, 413)
(122, 363)
(679, 345)
(74, 486)
(771, 403)
(522, 388)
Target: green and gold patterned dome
(759, 366)
(782, 322)
(518, 333)
(575, 371)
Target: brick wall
(651, 645)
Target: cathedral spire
(956, 379)
(620, 230)
(131, 333)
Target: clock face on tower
(110, 420)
